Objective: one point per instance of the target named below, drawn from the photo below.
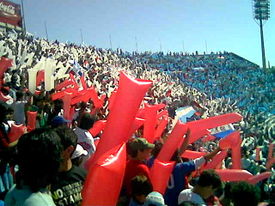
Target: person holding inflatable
(178, 179)
(139, 150)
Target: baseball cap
(79, 151)
(140, 144)
(58, 121)
(154, 198)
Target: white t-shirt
(188, 195)
(85, 139)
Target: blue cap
(59, 120)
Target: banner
(10, 13)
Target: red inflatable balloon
(199, 127)
(141, 113)
(97, 127)
(64, 84)
(81, 96)
(257, 178)
(163, 113)
(160, 174)
(195, 135)
(136, 125)
(92, 93)
(31, 117)
(16, 132)
(213, 122)
(192, 154)
(150, 122)
(111, 100)
(84, 85)
(270, 163)
(161, 127)
(157, 107)
(216, 160)
(236, 156)
(129, 96)
(233, 175)
(104, 179)
(173, 142)
(74, 80)
(67, 105)
(208, 138)
(234, 142)
(270, 151)
(40, 77)
(59, 95)
(230, 140)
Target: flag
(76, 68)
(223, 134)
(183, 113)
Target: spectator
(67, 186)
(79, 156)
(19, 108)
(139, 150)
(140, 187)
(154, 199)
(208, 182)
(59, 121)
(39, 157)
(85, 139)
(243, 193)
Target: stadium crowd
(212, 84)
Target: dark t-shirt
(66, 190)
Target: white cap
(79, 151)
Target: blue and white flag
(183, 113)
(76, 68)
(223, 134)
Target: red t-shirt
(134, 168)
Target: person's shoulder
(185, 195)
(79, 170)
(186, 191)
(185, 165)
(75, 173)
(24, 197)
(40, 198)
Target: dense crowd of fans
(212, 84)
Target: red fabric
(213, 200)
(3, 140)
(134, 168)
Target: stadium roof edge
(242, 58)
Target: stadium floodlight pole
(136, 44)
(110, 39)
(206, 46)
(262, 44)
(262, 13)
(81, 37)
(46, 30)
(23, 16)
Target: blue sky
(151, 25)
